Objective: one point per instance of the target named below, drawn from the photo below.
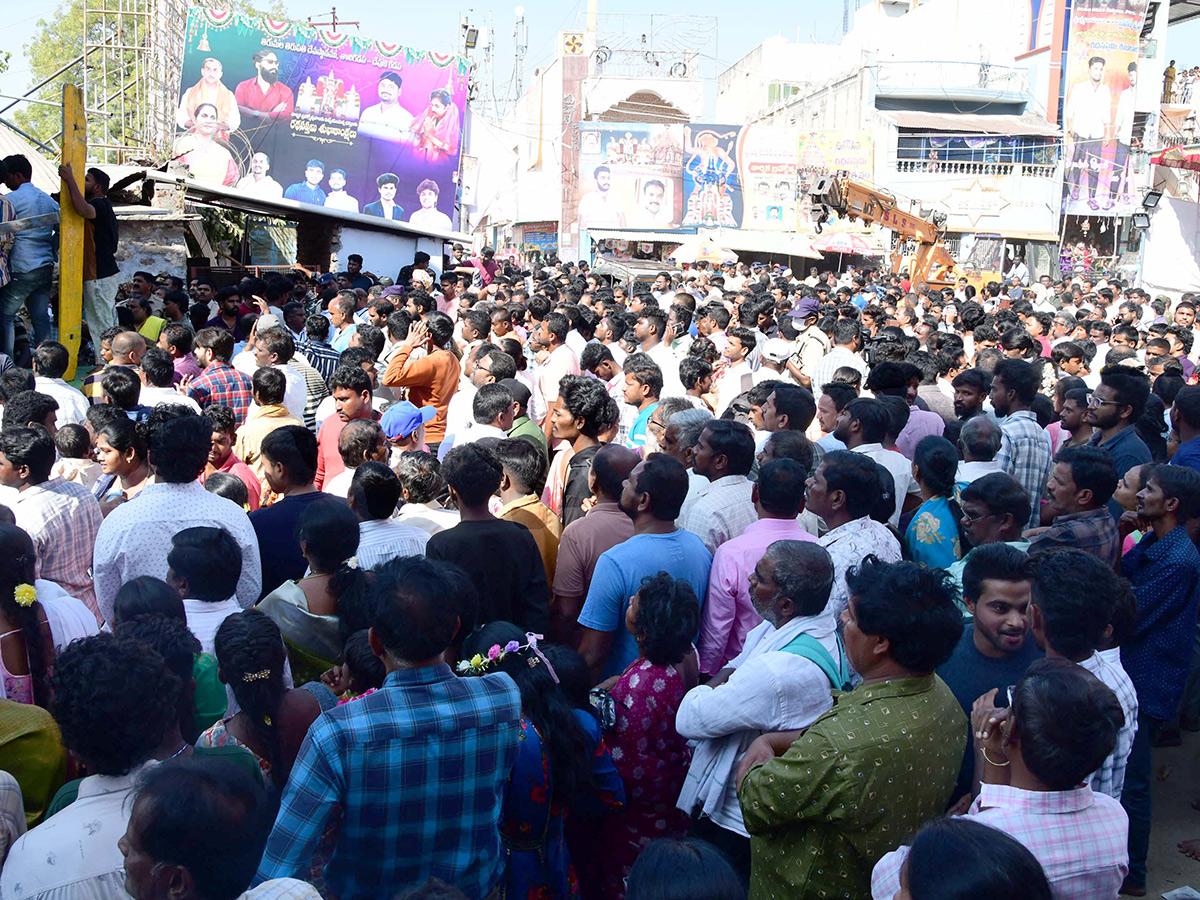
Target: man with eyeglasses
(1113, 409)
(995, 509)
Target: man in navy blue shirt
(997, 649)
(1164, 570)
(308, 190)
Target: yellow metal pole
(70, 230)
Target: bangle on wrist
(992, 762)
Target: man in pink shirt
(351, 387)
(559, 361)
(728, 614)
(221, 457)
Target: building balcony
(920, 80)
(941, 167)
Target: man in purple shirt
(729, 614)
(176, 339)
(903, 380)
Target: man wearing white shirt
(337, 198)
(158, 372)
(258, 183)
(1123, 131)
(739, 376)
(134, 538)
(781, 681)
(50, 363)
(74, 854)
(1088, 113)
(387, 119)
(374, 493)
(862, 426)
(273, 346)
(205, 564)
(492, 408)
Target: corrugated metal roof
(45, 173)
(971, 123)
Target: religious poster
(821, 153)
(766, 156)
(712, 187)
(286, 110)
(1101, 79)
(630, 176)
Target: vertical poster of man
(1101, 83)
(630, 176)
(281, 109)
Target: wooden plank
(70, 232)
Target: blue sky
(434, 26)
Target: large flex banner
(630, 175)
(1101, 79)
(281, 109)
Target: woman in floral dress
(649, 754)
(932, 535)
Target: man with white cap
(773, 362)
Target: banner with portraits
(1101, 84)
(630, 176)
(283, 109)
(757, 177)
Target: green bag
(810, 648)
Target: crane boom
(930, 262)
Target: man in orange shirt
(432, 379)
(351, 386)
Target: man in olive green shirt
(868, 773)
(523, 427)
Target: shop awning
(972, 123)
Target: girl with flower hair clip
(553, 768)
(26, 642)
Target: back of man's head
(295, 448)
(29, 446)
(473, 472)
(910, 605)
(50, 359)
(610, 467)
(873, 416)
(856, 476)
(179, 449)
(665, 480)
(803, 573)
(374, 491)
(158, 366)
(490, 402)
(209, 560)
(102, 680)
(523, 463)
(780, 487)
(1066, 722)
(1074, 593)
(121, 386)
(206, 817)
(1092, 469)
(413, 619)
(980, 438)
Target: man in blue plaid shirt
(418, 768)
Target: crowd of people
(481, 582)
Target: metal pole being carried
(70, 231)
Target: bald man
(127, 348)
(603, 527)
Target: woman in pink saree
(437, 129)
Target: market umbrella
(702, 249)
(841, 244)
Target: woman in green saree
(317, 613)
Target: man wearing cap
(404, 427)
(811, 345)
(773, 362)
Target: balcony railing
(976, 76)
(941, 167)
